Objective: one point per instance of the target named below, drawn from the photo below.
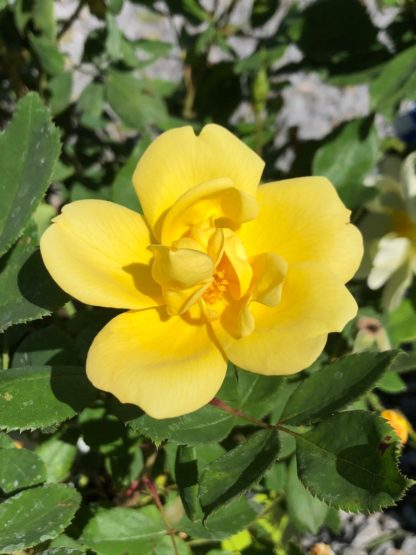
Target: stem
(71, 20)
(226, 408)
(155, 496)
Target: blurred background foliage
(324, 87)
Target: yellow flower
(398, 422)
(218, 268)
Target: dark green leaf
(28, 291)
(186, 473)
(349, 461)
(20, 468)
(257, 393)
(338, 384)
(237, 470)
(202, 426)
(40, 397)
(36, 515)
(29, 149)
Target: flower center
(217, 288)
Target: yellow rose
(218, 268)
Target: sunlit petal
(96, 251)
(178, 160)
(167, 366)
(291, 335)
(304, 220)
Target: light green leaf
(50, 58)
(40, 397)
(347, 159)
(396, 79)
(60, 88)
(224, 522)
(123, 191)
(28, 291)
(29, 149)
(20, 468)
(349, 462)
(391, 383)
(305, 511)
(401, 325)
(237, 470)
(58, 456)
(119, 531)
(133, 103)
(36, 515)
(338, 384)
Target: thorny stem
(155, 496)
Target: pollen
(217, 288)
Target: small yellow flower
(398, 422)
(218, 268)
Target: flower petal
(178, 160)
(96, 251)
(167, 366)
(304, 220)
(290, 336)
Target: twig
(155, 496)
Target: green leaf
(123, 191)
(306, 512)
(20, 468)
(237, 470)
(133, 103)
(349, 462)
(50, 58)
(224, 522)
(60, 88)
(91, 105)
(119, 531)
(396, 80)
(347, 159)
(401, 325)
(28, 291)
(29, 149)
(338, 384)
(36, 515)
(62, 551)
(205, 425)
(58, 456)
(41, 397)
(43, 346)
(186, 473)
(391, 383)
(258, 393)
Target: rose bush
(217, 268)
